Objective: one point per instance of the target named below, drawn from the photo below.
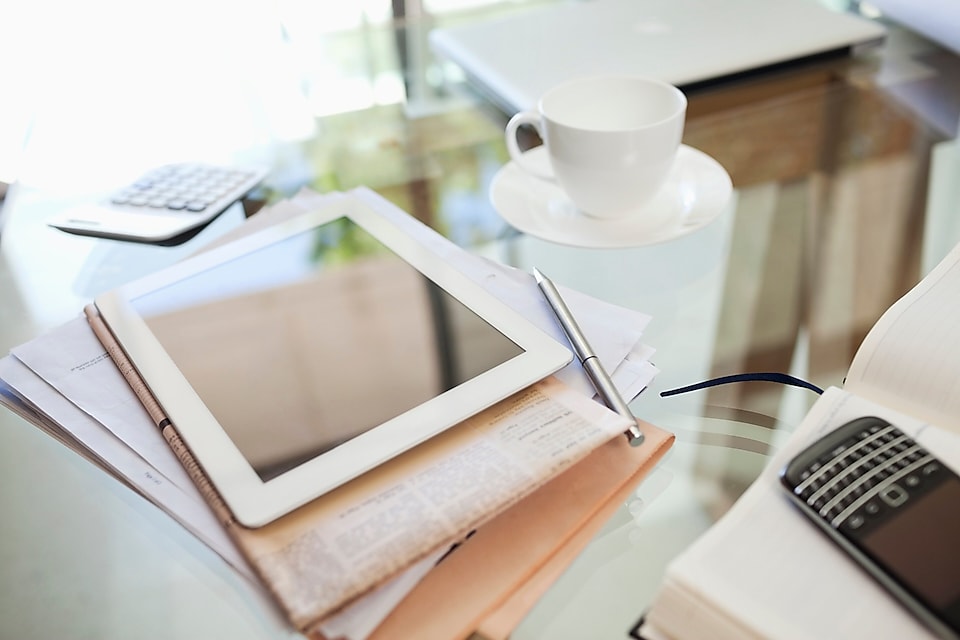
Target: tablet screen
(302, 345)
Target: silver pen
(588, 359)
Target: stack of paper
(65, 383)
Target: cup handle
(524, 117)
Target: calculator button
(183, 187)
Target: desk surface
(846, 194)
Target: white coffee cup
(611, 140)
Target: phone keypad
(866, 476)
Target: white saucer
(697, 191)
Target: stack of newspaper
(65, 383)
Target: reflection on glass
(304, 344)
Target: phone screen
(920, 545)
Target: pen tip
(537, 275)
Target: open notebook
(514, 59)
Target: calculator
(162, 204)
(893, 507)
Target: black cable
(781, 378)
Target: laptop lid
(516, 58)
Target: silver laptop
(514, 59)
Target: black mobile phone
(893, 507)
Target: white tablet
(301, 356)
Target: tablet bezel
(254, 502)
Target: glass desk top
(845, 194)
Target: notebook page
(909, 360)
